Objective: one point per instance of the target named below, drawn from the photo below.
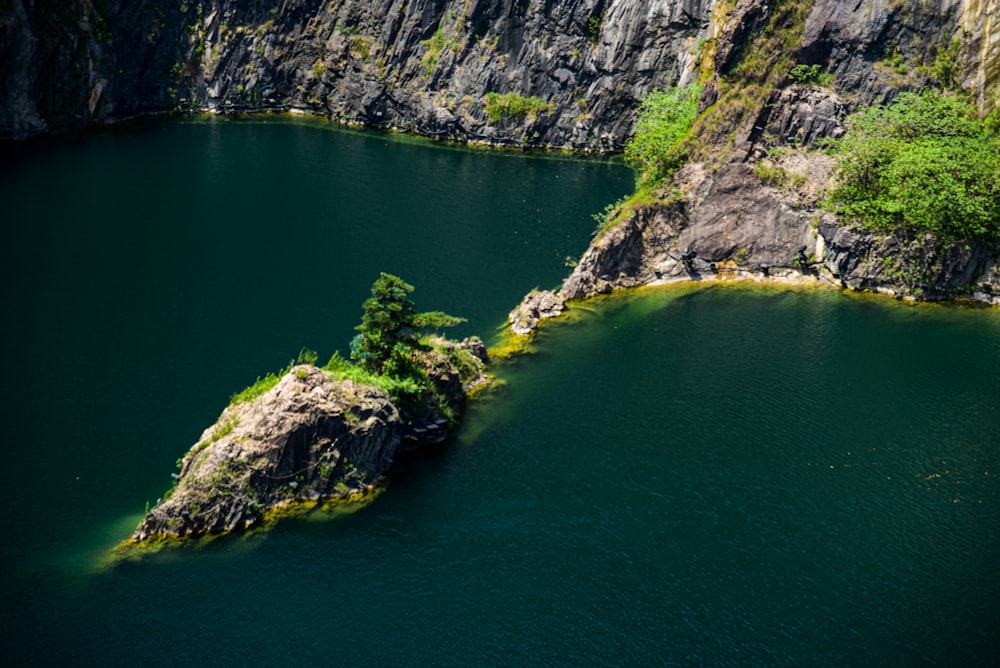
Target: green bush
(435, 45)
(810, 74)
(383, 352)
(664, 121)
(512, 105)
(926, 163)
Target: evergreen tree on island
(390, 329)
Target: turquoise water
(710, 477)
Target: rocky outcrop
(313, 436)
(877, 48)
(310, 437)
(536, 305)
(751, 206)
(723, 225)
(914, 266)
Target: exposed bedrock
(422, 65)
(427, 65)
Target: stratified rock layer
(424, 66)
(427, 66)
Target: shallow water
(679, 476)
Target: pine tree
(390, 329)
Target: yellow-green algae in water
(323, 509)
(510, 345)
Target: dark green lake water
(680, 477)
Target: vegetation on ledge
(659, 147)
(512, 105)
(924, 164)
(389, 351)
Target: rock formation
(416, 65)
(428, 66)
(750, 205)
(313, 436)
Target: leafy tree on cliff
(664, 120)
(390, 329)
(925, 163)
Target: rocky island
(312, 434)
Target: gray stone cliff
(427, 65)
(728, 220)
(420, 65)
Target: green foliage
(611, 216)
(260, 386)
(945, 64)
(658, 149)
(361, 47)
(512, 105)
(763, 66)
(224, 429)
(926, 163)
(342, 368)
(307, 356)
(435, 45)
(775, 175)
(101, 10)
(383, 352)
(390, 328)
(594, 27)
(810, 74)
(616, 213)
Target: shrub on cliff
(925, 163)
(664, 120)
(512, 105)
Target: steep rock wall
(427, 65)
(420, 65)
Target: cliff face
(427, 65)
(420, 65)
(750, 205)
